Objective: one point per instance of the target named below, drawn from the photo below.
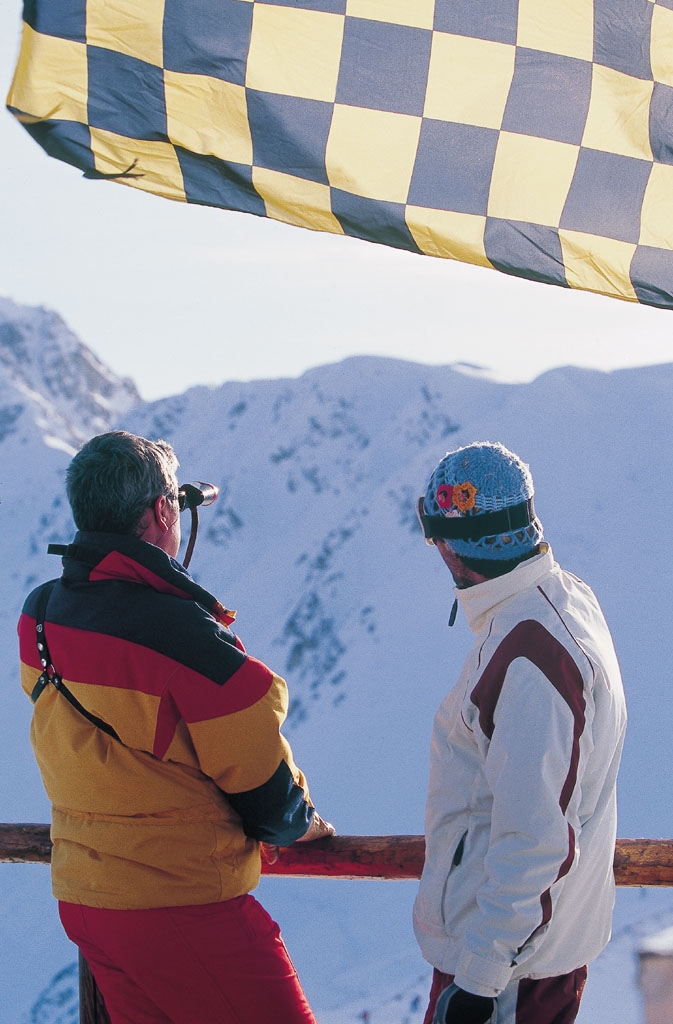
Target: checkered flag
(534, 138)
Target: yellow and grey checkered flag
(532, 136)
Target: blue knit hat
(480, 500)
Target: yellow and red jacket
(172, 812)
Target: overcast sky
(173, 295)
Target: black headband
(487, 524)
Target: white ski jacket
(521, 812)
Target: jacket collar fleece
(479, 602)
(98, 556)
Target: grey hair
(116, 477)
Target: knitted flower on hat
(479, 479)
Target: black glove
(456, 1006)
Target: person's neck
(464, 577)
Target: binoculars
(195, 494)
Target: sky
(173, 295)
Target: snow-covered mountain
(314, 541)
(47, 373)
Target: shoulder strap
(48, 670)
(49, 673)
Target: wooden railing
(637, 862)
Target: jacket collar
(479, 602)
(97, 556)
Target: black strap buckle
(49, 673)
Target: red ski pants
(528, 1000)
(223, 963)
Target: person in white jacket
(517, 891)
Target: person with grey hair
(521, 806)
(160, 746)
(116, 477)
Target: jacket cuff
(482, 977)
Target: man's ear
(161, 510)
(154, 521)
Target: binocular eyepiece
(196, 493)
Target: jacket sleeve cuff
(482, 977)
(277, 812)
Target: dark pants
(527, 1001)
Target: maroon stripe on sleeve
(530, 640)
(545, 898)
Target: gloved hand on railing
(456, 1006)
(317, 829)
